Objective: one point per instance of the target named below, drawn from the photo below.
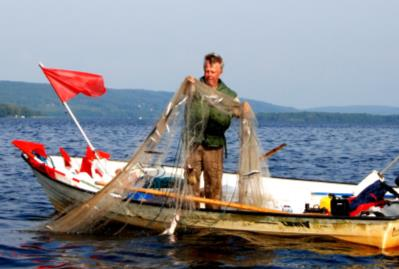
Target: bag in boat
(339, 206)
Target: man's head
(213, 69)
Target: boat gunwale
(274, 177)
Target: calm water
(328, 152)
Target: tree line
(12, 110)
(321, 118)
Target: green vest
(217, 123)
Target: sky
(297, 53)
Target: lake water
(324, 152)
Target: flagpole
(79, 126)
(85, 136)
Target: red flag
(66, 157)
(30, 148)
(103, 154)
(87, 161)
(67, 83)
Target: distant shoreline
(320, 118)
(26, 100)
(15, 111)
(299, 119)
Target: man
(207, 148)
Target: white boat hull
(379, 232)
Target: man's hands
(242, 111)
(189, 90)
(191, 79)
(246, 110)
(238, 111)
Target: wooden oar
(201, 200)
(272, 152)
(206, 200)
(210, 201)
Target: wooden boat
(65, 187)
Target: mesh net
(252, 167)
(145, 177)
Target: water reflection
(206, 248)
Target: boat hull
(378, 232)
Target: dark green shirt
(217, 121)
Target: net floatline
(170, 139)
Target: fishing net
(157, 173)
(252, 166)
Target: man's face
(212, 73)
